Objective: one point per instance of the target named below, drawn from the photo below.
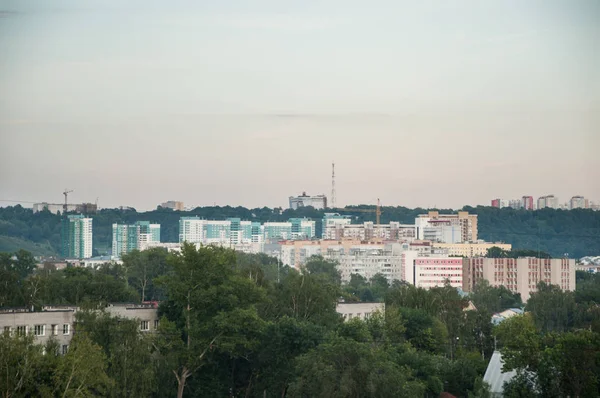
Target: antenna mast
(333, 185)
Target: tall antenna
(333, 185)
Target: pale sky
(419, 103)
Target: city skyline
(432, 105)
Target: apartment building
(429, 270)
(549, 201)
(333, 225)
(370, 231)
(579, 202)
(447, 228)
(367, 260)
(59, 322)
(319, 202)
(527, 202)
(519, 275)
(470, 249)
(138, 236)
(76, 237)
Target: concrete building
(333, 224)
(234, 231)
(527, 202)
(579, 202)
(470, 249)
(367, 260)
(59, 322)
(126, 238)
(368, 230)
(549, 201)
(433, 271)
(76, 236)
(359, 310)
(173, 205)
(519, 275)
(84, 208)
(447, 228)
(319, 202)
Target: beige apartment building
(470, 249)
(440, 227)
(520, 275)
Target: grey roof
(494, 375)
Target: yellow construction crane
(377, 211)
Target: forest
(241, 325)
(575, 232)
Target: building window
(65, 348)
(156, 324)
(144, 325)
(66, 329)
(39, 330)
(21, 330)
(54, 330)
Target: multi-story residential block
(318, 202)
(234, 231)
(519, 275)
(333, 225)
(173, 205)
(449, 228)
(527, 202)
(433, 271)
(367, 260)
(470, 249)
(579, 202)
(549, 201)
(85, 208)
(138, 236)
(59, 322)
(368, 231)
(76, 236)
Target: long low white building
(59, 322)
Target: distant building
(578, 202)
(234, 231)
(367, 260)
(318, 202)
(367, 230)
(527, 202)
(173, 205)
(359, 310)
(470, 249)
(549, 201)
(126, 238)
(333, 225)
(55, 208)
(433, 271)
(447, 228)
(520, 275)
(76, 236)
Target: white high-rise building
(549, 201)
(578, 202)
(319, 202)
(447, 228)
(77, 237)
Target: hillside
(576, 232)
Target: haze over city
(418, 103)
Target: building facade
(447, 228)
(433, 271)
(527, 202)
(361, 311)
(520, 275)
(59, 322)
(138, 236)
(319, 202)
(333, 225)
(76, 236)
(470, 249)
(549, 201)
(173, 205)
(578, 202)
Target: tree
(379, 286)
(317, 265)
(552, 309)
(82, 371)
(213, 307)
(494, 299)
(142, 268)
(20, 363)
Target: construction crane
(377, 211)
(66, 193)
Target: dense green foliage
(555, 346)
(551, 231)
(241, 325)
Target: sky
(418, 103)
